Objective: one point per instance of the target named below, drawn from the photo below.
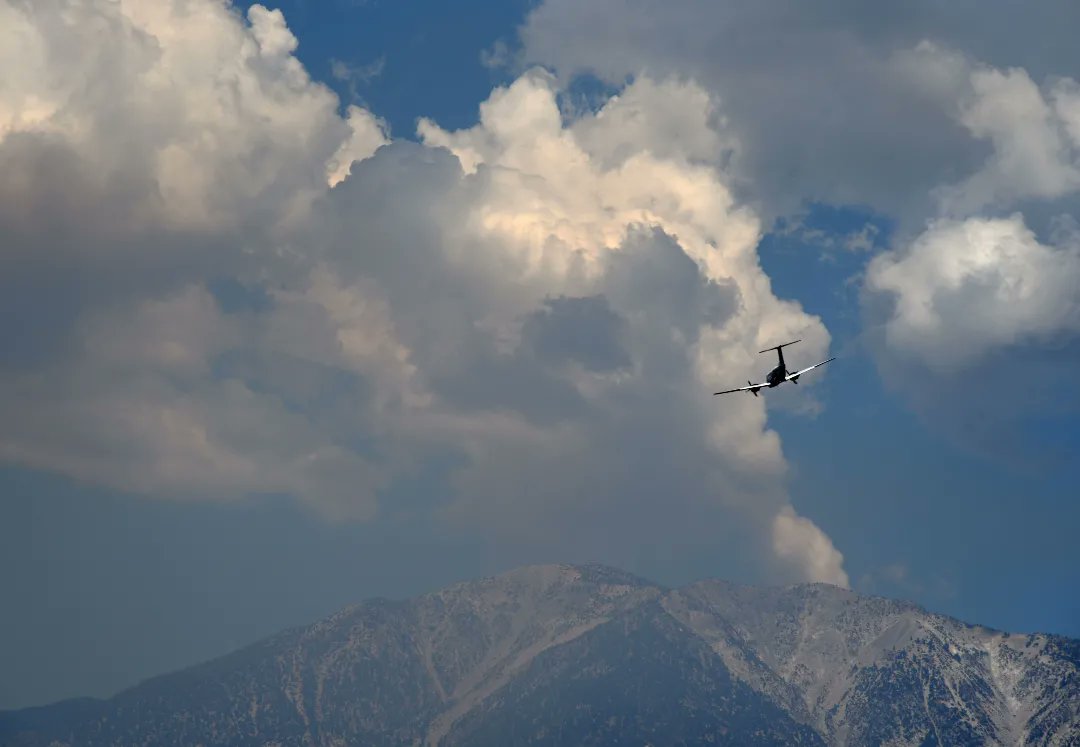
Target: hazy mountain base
(590, 655)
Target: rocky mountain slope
(561, 655)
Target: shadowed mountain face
(559, 655)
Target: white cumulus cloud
(968, 287)
(1029, 129)
(797, 537)
(286, 301)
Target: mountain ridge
(803, 663)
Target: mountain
(589, 655)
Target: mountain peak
(556, 654)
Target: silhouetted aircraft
(778, 375)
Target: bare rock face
(561, 655)
(865, 670)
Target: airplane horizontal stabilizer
(777, 347)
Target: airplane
(778, 375)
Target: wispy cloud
(357, 76)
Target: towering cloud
(238, 291)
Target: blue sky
(982, 536)
(932, 483)
(394, 46)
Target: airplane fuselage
(776, 376)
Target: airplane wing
(797, 374)
(751, 388)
